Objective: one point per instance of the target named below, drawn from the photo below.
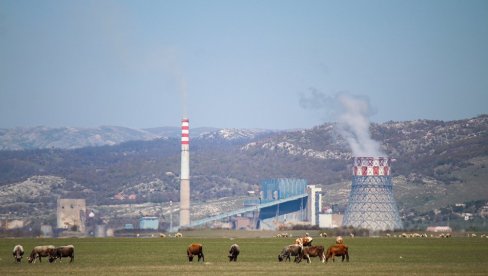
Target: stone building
(71, 214)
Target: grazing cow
(314, 251)
(291, 250)
(63, 251)
(234, 252)
(195, 249)
(305, 241)
(18, 252)
(40, 251)
(337, 250)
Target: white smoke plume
(352, 115)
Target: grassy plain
(166, 256)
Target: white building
(71, 214)
(330, 220)
(314, 204)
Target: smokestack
(185, 173)
(371, 202)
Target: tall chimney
(185, 173)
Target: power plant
(185, 173)
(371, 202)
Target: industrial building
(280, 202)
(371, 202)
(71, 214)
(151, 223)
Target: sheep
(339, 240)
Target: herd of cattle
(301, 249)
(53, 253)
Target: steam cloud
(352, 115)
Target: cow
(40, 251)
(18, 252)
(195, 249)
(314, 251)
(337, 250)
(291, 250)
(234, 252)
(63, 251)
(305, 241)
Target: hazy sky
(240, 64)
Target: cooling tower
(371, 203)
(185, 173)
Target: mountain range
(438, 163)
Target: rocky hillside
(74, 138)
(438, 163)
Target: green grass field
(167, 256)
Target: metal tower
(371, 202)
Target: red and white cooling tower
(371, 202)
(185, 173)
(370, 166)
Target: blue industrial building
(281, 188)
(151, 223)
(280, 200)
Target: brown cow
(195, 249)
(314, 251)
(63, 251)
(337, 250)
(40, 251)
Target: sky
(239, 64)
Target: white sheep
(339, 240)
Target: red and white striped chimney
(185, 173)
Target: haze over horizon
(238, 64)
